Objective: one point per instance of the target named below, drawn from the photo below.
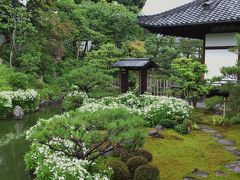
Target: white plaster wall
(216, 59)
(221, 39)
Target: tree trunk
(13, 43)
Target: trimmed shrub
(144, 153)
(126, 156)
(134, 162)
(181, 128)
(146, 172)
(120, 170)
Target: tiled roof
(135, 63)
(196, 13)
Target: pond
(13, 145)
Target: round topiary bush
(126, 156)
(134, 162)
(120, 170)
(146, 172)
(144, 153)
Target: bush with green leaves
(134, 162)
(120, 170)
(143, 153)
(214, 103)
(74, 100)
(19, 81)
(5, 106)
(146, 172)
(181, 128)
(79, 136)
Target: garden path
(228, 145)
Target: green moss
(178, 155)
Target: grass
(178, 155)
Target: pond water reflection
(13, 145)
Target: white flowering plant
(28, 100)
(167, 111)
(73, 145)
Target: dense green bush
(134, 162)
(181, 128)
(76, 141)
(214, 103)
(19, 81)
(143, 153)
(5, 72)
(146, 172)
(74, 100)
(120, 170)
(5, 106)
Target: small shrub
(126, 156)
(181, 128)
(214, 103)
(5, 107)
(146, 172)
(134, 162)
(120, 170)
(144, 153)
(219, 120)
(74, 100)
(166, 123)
(19, 81)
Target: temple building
(216, 22)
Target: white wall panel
(216, 59)
(221, 39)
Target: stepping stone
(225, 142)
(234, 167)
(210, 131)
(236, 153)
(218, 136)
(199, 173)
(230, 148)
(220, 173)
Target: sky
(158, 6)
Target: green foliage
(134, 162)
(120, 170)
(146, 172)
(87, 78)
(74, 100)
(214, 103)
(5, 107)
(181, 128)
(219, 120)
(19, 81)
(5, 74)
(104, 57)
(188, 73)
(143, 153)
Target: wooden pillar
(142, 81)
(124, 80)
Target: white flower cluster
(61, 166)
(145, 105)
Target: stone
(210, 131)
(155, 134)
(220, 173)
(234, 167)
(18, 112)
(218, 136)
(236, 153)
(230, 148)
(159, 128)
(225, 142)
(199, 173)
